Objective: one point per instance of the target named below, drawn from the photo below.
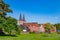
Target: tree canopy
(48, 27)
(7, 24)
(58, 26)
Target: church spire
(23, 17)
(20, 17)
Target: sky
(41, 11)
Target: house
(31, 26)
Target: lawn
(32, 37)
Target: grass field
(32, 37)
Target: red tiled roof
(31, 24)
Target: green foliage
(58, 26)
(1, 22)
(4, 8)
(48, 27)
(10, 26)
(7, 24)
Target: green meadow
(32, 37)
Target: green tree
(10, 26)
(4, 8)
(48, 27)
(58, 26)
(7, 24)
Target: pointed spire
(23, 17)
(20, 17)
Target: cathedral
(31, 26)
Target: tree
(58, 26)
(10, 26)
(48, 27)
(4, 8)
(7, 24)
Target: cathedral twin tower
(21, 19)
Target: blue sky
(40, 11)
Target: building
(31, 26)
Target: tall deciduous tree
(10, 26)
(7, 24)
